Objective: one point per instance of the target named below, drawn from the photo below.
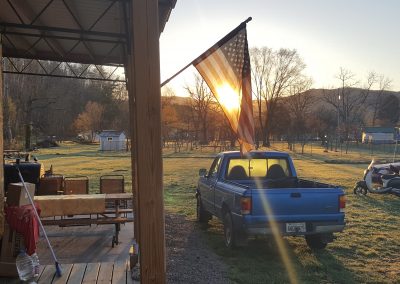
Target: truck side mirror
(202, 172)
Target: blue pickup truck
(256, 193)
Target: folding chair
(51, 185)
(112, 184)
(76, 185)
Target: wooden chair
(51, 185)
(76, 185)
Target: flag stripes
(226, 70)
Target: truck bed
(289, 182)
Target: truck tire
(229, 233)
(202, 216)
(316, 242)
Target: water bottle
(24, 266)
(35, 261)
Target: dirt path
(189, 259)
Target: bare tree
(274, 73)
(384, 85)
(201, 104)
(299, 105)
(169, 115)
(389, 112)
(261, 66)
(349, 102)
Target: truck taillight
(342, 203)
(245, 205)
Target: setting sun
(227, 97)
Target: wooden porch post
(1, 143)
(145, 101)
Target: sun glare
(283, 251)
(228, 98)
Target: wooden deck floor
(106, 272)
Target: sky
(359, 35)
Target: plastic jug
(24, 266)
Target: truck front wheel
(316, 242)
(202, 216)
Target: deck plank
(77, 272)
(105, 273)
(119, 273)
(41, 268)
(129, 279)
(65, 272)
(92, 270)
(47, 274)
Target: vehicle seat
(237, 173)
(275, 172)
(389, 176)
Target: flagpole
(220, 42)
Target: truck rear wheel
(202, 216)
(229, 233)
(316, 242)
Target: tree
(201, 104)
(91, 119)
(384, 85)
(49, 106)
(274, 73)
(168, 113)
(324, 121)
(389, 111)
(299, 106)
(349, 103)
(261, 63)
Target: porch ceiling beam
(108, 79)
(62, 30)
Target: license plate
(295, 227)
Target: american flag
(226, 69)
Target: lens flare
(227, 97)
(277, 236)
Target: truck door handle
(295, 194)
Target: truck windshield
(265, 168)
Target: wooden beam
(1, 143)
(145, 100)
(132, 111)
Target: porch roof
(80, 31)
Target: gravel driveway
(189, 259)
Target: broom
(58, 267)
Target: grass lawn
(368, 251)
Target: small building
(112, 140)
(379, 135)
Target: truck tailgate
(297, 204)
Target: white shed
(112, 140)
(379, 135)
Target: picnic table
(86, 209)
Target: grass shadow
(334, 270)
(388, 203)
(261, 262)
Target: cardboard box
(16, 194)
